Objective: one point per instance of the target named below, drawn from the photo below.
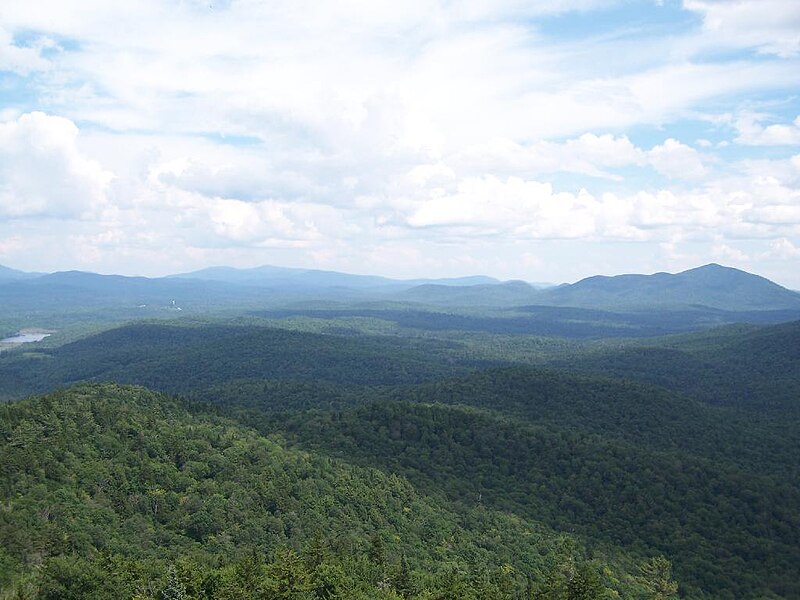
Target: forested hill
(178, 358)
(731, 534)
(755, 369)
(120, 484)
(621, 410)
(712, 285)
(110, 491)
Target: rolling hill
(76, 290)
(711, 286)
(751, 368)
(684, 445)
(509, 293)
(707, 515)
(112, 491)
(175, 358)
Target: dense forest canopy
(346, 449)
(116, 490)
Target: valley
(381, 448)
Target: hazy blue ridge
(712, 286)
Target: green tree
(175, 590)
(658, 576)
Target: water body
(25, 338)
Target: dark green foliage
(126, 483)
(756, 369)
(110, 491)
(561, 321)
(177, 359)
(68, 577)
(277, 395)
(730, 533)
(623, 410)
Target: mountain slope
(707, 517)
(619, 410)
(182, 358)
(70, 290)
(753, 368)
(509, 293)
(8, 274)
(112, 491)
(712, 285)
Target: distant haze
(710, 288)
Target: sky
(535, 140)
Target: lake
(24, 338)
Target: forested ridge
(727, 529)
(756, 369)
(533, 467)
(116, 491)
(174, 358)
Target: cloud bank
(536, 140)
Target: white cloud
(22, 60)
(520, 209)
(751, 132)
(729, 254)
(524, 208)
(775, 214)
(354, 75)
(784, 248)
(297, 131)
(42, 172)
(589, 154)
(771, 26)
(763, 169)
(676, 160)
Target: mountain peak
(712, 285)
(715, 268)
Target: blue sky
(544, 141)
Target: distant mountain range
(709, 287)
(7, 274)
(315, 278)
(712, 286)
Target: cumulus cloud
(729, 254)
(784, 248)
(268, 223)
(529, 209)
(676, 160)
(43, 173)
(752, 132)
(249, 178)
(525, 208)
(589, 154)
